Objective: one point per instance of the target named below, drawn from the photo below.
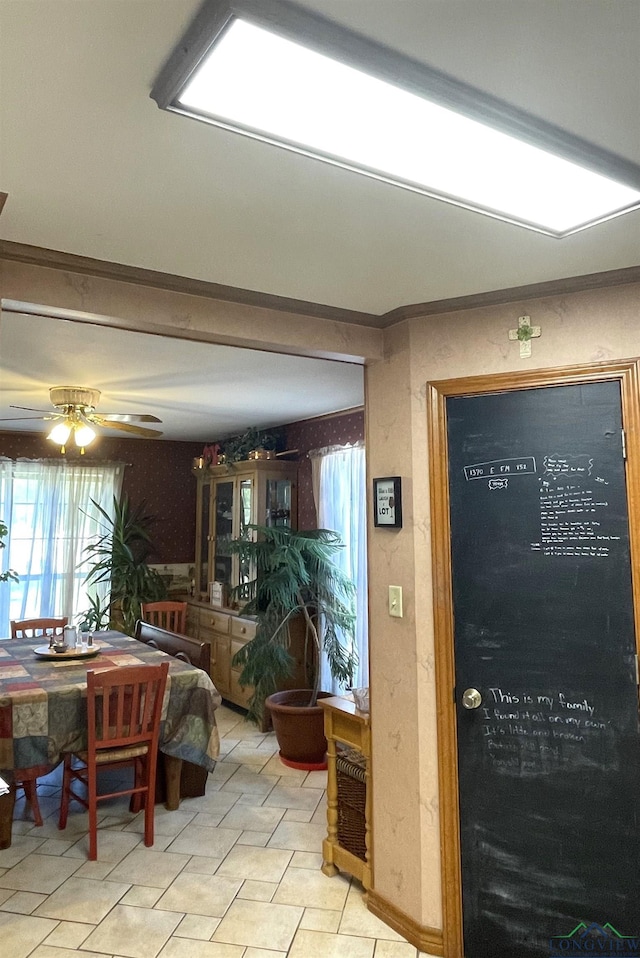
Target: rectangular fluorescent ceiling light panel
(434, 136)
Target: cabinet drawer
(236, 645)
(243, 628)
(214, 621)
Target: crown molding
(71, 262)
(497, 297)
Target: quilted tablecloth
(43, 703)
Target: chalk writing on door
(537, 732)
(573, 509)
(573, 502)
(522, 466)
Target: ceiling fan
(75, 408)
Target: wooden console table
(344, 723)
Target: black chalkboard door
(548, 760)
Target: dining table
(43, 709)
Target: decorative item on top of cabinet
(231, 497)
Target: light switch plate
(395, 601)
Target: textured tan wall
(577, 328)
(129, 305)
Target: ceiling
(93, 167)
(199, 391)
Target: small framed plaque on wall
(387, 502)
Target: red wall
(159, 471)
(338, 430)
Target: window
(339, 490)
(47, 507)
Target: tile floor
(234, 874)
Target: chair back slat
(32, 628)
(167, 615)
(124, 706)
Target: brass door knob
(471, 699)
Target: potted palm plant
(119, 558)
(296, 581)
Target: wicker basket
(350, 773)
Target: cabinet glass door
(245, 567)
(223, 532)
(278, 504)
(204, 527)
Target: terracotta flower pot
(299, 728)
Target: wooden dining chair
(124, 706)
(33, 629)
(168, 615)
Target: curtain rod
(327, 450)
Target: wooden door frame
(627, 373)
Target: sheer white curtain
(339, 491)
(47, 506)
(6, 467)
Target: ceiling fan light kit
(75, 402)
(76, 409)
(74, 424)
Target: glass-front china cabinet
(230, 498)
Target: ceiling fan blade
(26, 418)
(31, 409)
(128, 417)
(124, 427)
(124, 422)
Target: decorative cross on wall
(524, 334)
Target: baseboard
(422, 936)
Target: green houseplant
(9, 574)
(119, 558)
(296, 578)
(237, 448)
